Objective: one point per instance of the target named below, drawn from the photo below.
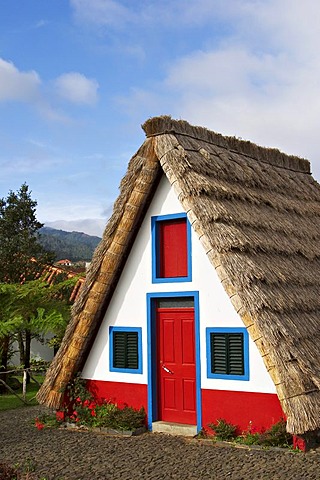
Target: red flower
(78, 400)
(39, 424)
(86, 403)
(92, 406)
(299, 443)
(60, 416)
(93, 413)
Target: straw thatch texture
(257, 214)
(136, 191)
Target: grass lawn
(9, 401)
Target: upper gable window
(171, 248)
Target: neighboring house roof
(63, 262)
(51, 272)
(256, 212)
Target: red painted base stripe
(132, 394)
(257, 411)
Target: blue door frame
(152, 353)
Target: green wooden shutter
(227, 357)
(119, 349)
(125, 350)
(218, 353)
(235, 354)
(132, 350)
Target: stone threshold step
(174, 428)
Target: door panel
(188, 343)
(189, 395)
(168, 340)
(169, 391)
(176, 367)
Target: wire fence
(25, 373)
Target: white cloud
(77, 88)
(41, 23)
(101, 12)
(17, 85)
(249, 20)
(115, 14)
(259, 81)
(268, 95)
(81, 215)
(26, 87)
(90, 226)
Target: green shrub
(77, 390)
(83, 409)
(46, 420)
(223, 430)
(126, 418)
(248, 438)
(276, 436)
(103, 412)
(202, 434)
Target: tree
(34, 308)
(6, 328)
(21, 255)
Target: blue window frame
(156, 223)
(125, 352)
(227, 353)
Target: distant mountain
(91, 226)
(75, 246)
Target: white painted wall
(128, 307)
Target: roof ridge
(165, 124)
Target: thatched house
(203, 298)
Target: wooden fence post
(24, 385)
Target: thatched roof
(257, 213)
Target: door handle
(166, 369)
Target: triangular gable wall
(128, 306)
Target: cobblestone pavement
(63, 454)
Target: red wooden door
(176, 365)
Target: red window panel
(173, 248)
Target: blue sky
(79, 77)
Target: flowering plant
(83, 409)
(46, 420)
(38, 423)
(60, 416)
(275, 436)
